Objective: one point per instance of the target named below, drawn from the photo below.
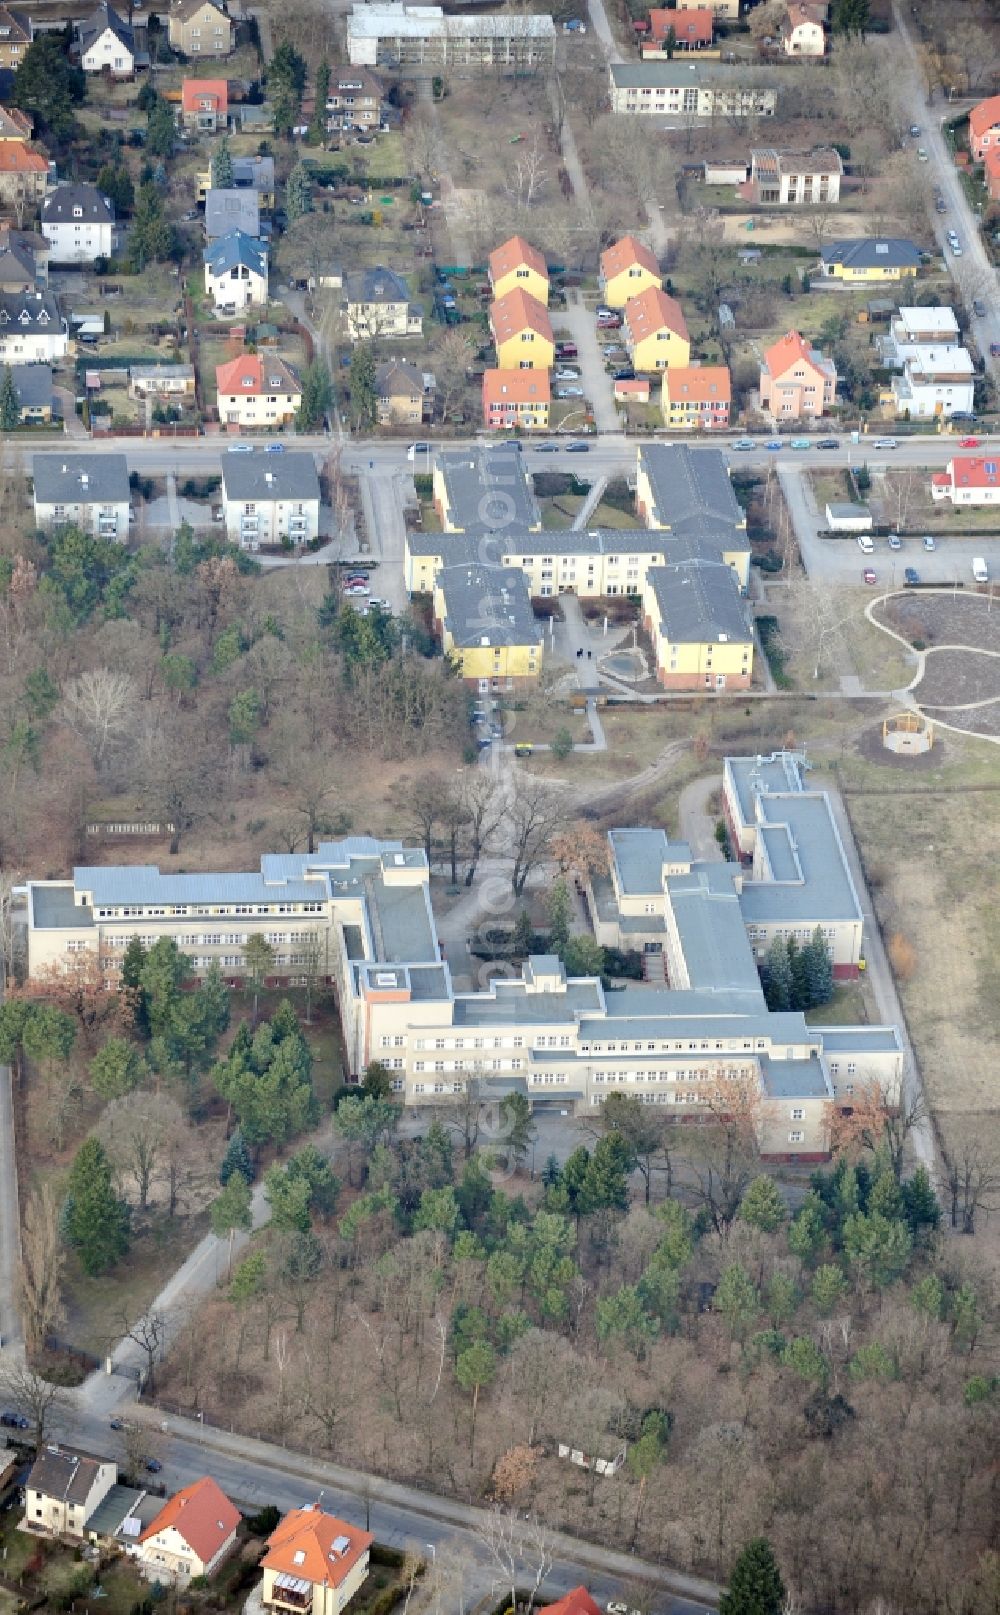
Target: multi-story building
(797, 382)
(205, 105)
(32, 330)
(24, 260)
(366, 906)
(231, 208)
(671, 31)
(984, 127)
(655, 330)
(35, 397)
(199, 28)
(16, 34)
(484, 489)
(15, 125)
(248, 174)
(688, 492)
(257, 390)
(24, 176)
(699, 625)
(354, 99)
(918, 328)
(628, 267)
(236, 272)
(686, 89)
(696, 397)
(78, 223)
(63, 1490)
(725, 10)
(869, 259)
(400, 395)
(599, 563)
(389, 33)
(968, 479)
(487, 627)
(518, 266)
(377, 304)
(794, 178)
(268, 498)
(90, 491)
(935, 382)
(802, 32)
(522, 332)
(314, 1564)
(516, 400)
(107, 43)
(190, 1536)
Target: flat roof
(640, 856)
(711, 929)
(823, 892)
(509, 1002)
(54, 907)
(794, 1079)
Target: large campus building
(362, 909)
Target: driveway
(973, 272)
(596, 383)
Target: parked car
(14, 1421)
(922, 156)
(911, 576)
(774, 444)
(969, 442)
(569, 392)
(417, 448)
(276, 448)
(744, 443)
(524, 748)
(866, 544)
(827, 443)
(800, 443)
(929, 543)
(979, 308)
(153, 1465)
(624, 375)
(914, 131)
(578, 448)
(956, 249)
(941, 205)
(869, 574)
(609, 321)
(355, 588)
(548, 448)
(567, 375)
(994, 351)
(885, 443)
(895, 542)
(239, 448)
(611, 349)
(566, 350)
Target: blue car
(800, 443)
(774, 444)
(911, 576)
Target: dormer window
(78, 213)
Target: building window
(796, 1137)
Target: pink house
(797, 382)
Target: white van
(980, 571)
(866, 544)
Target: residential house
(249, 174)
(107, 43)
(984, 127)
(400, 397)
(90, 491)
(169, 381)
(199, 28)
(377, 304)
(699, 625)
(32, 330)
(802, 32)
(24, 176)
(395, 34)
(670, 31)
(577, 1602)
(518, 266)
(16, 34)
(24, 260)
(656, 332)
(712, 922)
(78, 223)
(869, 258)
(65, 1486)
(257, 389)
(688, 89)
(601, 562)
(15, 124)
(797, 382)
(968, 479)
(205, 105)
(725, 10)
(935, 382)
(687, 492)
(191, 1535)
(516, 400)
(314, 1563)
(484, 490)
(696, 397)
(522, 332)
(487, 626)
(794, 178)
(267, 498)
(231, 209)
(236, 272)
(627, 268)
(918, 327)
(354, 99)
(991, 172)
(33, 385)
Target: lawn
(96, 1307)
(850, 1006)
(558, 513)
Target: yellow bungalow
(627, 268)
(870, 260)
(487, 627)
(518, 266)
(522, 333)
(656, 332)
(699, 626)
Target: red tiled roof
(984, 116)
(316, 1547)
(974, 471)
(202, 1514)
(628, 251)
(698, 384)
(578, 1602)
(252, 374)
(786, 352)
(516, 254)
(519, 311)
(516, 387)
(694, 27)
(196, 92)
(653, 311)
(15, 158)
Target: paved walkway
(10, 1221)
(597, 384)
(697, 824)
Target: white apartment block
(365, 906)
(78, 223)
(89, 491)
(268, 497)
(686, 90)
(919, 328)
(388, 33)
(934, 382)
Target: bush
(902, 956)
(266, 1521)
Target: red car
(969, 442)
(869, 574)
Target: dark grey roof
(858, 1039)
(488, 489)
(231, 209)
(794, 1079)
(92, 27)
(54, 908)
(17, 261)
(114, 1507)
(74, 479)
(63, 1473)
(378, 285)
(31, 312)
(60, 206)
(397, 374)
(686, 483)
(488, 606)
(639, 857)
(402, 922)
(711, 929)
(235, 247)
(507, 1003)
(873, 252)
(699, 602)
(291, 475)
(33, 383)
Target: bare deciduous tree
(521, 1551)
(535, 813)
(99, 704)
(43, 1260)
(33, 1395)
